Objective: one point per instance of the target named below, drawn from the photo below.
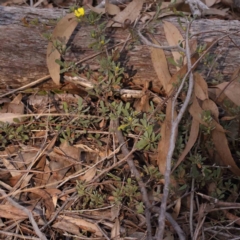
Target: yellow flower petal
(79, 12)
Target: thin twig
(174, 127)
(136, 174)
(18, 235)
(191, 208)
(168, 48)
(176, 227)
(40, 80)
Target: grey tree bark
(23, 49)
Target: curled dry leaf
(208, 104)
(112, 9)
(168, 235)
(11, 212)
(221, 145)
(160, 65)
(115, 232)
(174, 37)
(163, 146)
(176, 209)
(96, 9)
(89, 175)
(210, 3)
(82, 224)
(63, 31)
(191, 141)
(68, 227)
(200, 87)
(131, 12)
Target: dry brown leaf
(176, 209)
(68, 150)
(197, 113)
(40, 179)
(17, 99)
(96, 10)
(47, 176)
(208, 104)
(147, 16)
(54, 192)
(217, 12)
(174, 37)
(58, 166)
(9, 117)
(168, 235)
(12, 2)
(11, 212)
(142, 104)
(115, 232)
(68, 227)
(200, 87)
(160, 66)
(25, 181)
(89, 175)
(210, 3)
(180, 74)
(38, 101)
(221, 146)
(14, 109)
(82, 224)
(112, 9)
(10, 167)
(24, 159)
(12, 181)
(115, 210)
(52, 143)
(131, 12)
(163, 145)
(193, 44)
(191, 141)
(232, 217)
(231, 90)
(216, 94)
(63, 30)
(228, 118)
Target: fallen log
(23, 49)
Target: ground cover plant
(110, 158)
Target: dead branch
(23, 49)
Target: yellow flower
(102, 42)
(79, 12)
